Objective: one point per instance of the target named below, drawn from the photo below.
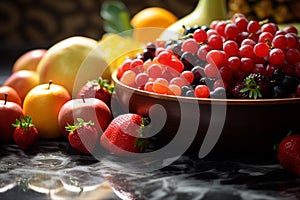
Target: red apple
(12, 94)
(87, 109)
(98, 88)
(29, 60)
(9, 112)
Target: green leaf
(23, 123)
(116, 17)
(71, 128)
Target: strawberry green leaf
(23, 123)
(252, 87)
(71, 128)
(141, 142)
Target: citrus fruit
(29, 60)
(116, 48)
(150, 22)
(72, 62)
(22, 81)
(43, 104)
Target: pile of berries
(236, 58)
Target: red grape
(276, 56)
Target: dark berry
(218, 93)
(236, 91)
(204, 27)
(188, 60)
(278, 75)
(290, 83)
(151, 47)
(263, 82)
(185, 88)
(190, 93)
(278, 92)
(190, 30)
(198, 74)
(176, 48)
(209, 82)
(147, 55)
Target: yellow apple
(72, 62)
(43, 103)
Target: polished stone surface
(53, 170)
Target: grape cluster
(235, 58)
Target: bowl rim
(136, 91)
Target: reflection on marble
(52, 170)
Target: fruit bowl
(216, 127)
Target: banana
(204, 13)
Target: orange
(150, 22)
(12, 94)
(22, 81)
(29, 60)
(43, 104)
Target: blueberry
(190, 93)
(218, 93)
(185, 88)
(278, 75)
(209, 82)
(198, 73)
(188, 60)
(278, 92)
(289, 83)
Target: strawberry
(125, 132)
(255, 86)
(83, 136)
(289, 153)
(100, 89)
(25, 133)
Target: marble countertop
(53, 170)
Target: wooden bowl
(237, 127)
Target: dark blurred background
(27, 24)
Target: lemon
(116, 48)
